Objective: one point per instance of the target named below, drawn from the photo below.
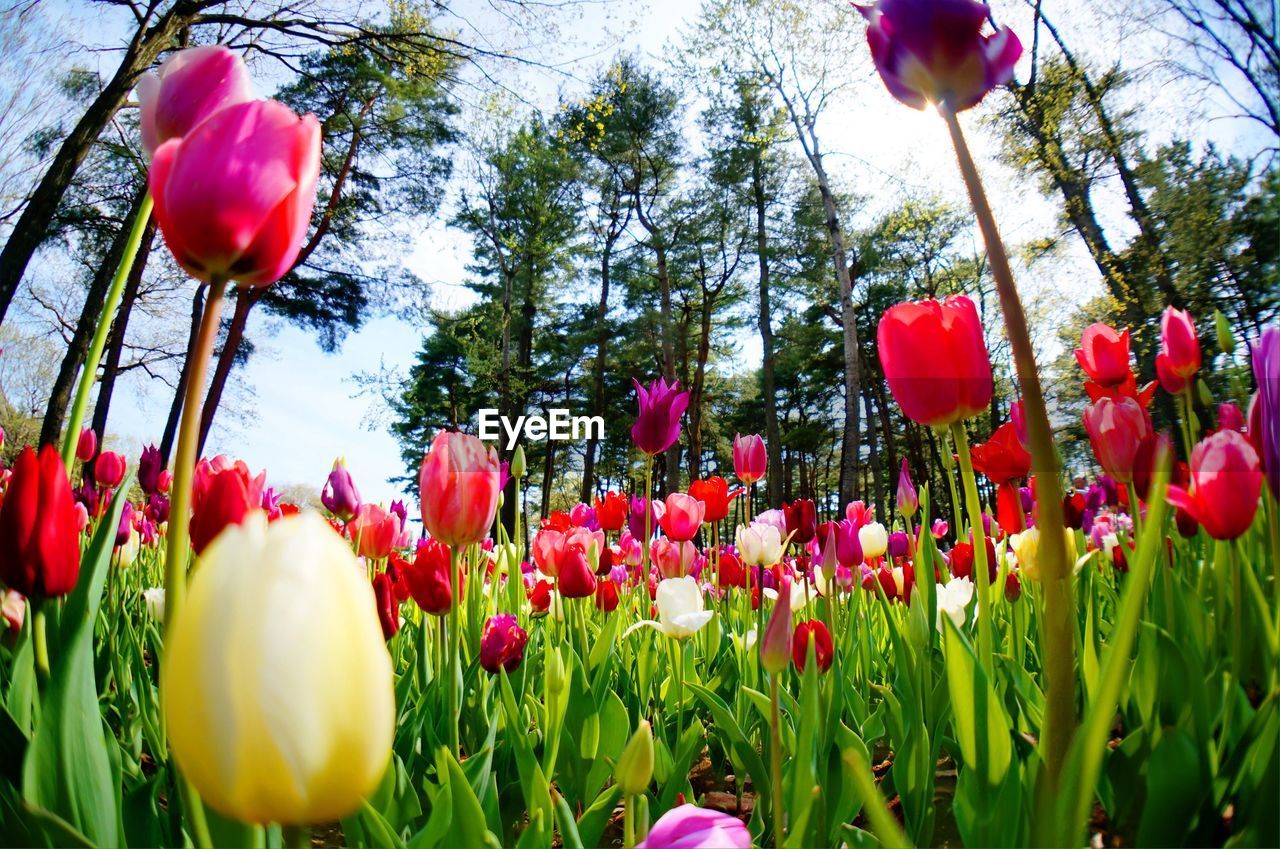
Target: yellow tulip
(276, 684)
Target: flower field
(998, 654)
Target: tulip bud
(339, 495)
(1203, 393)
(775, 648)
(518, 463)
(109, 469)
(1226, 339)
(298, 728)
(908, 500)
(191, 85)
(657, 427)
(87, 446)
(634, 769)
(39, 527)
(458, 485)
(553, 669)
(502, 644)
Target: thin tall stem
(775, 765)
(981, 569)
(1060, 721)
(455, 667)
(90, 374)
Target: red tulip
(611, 511)
(1104, 354)
(234, 196)
(1226, 479)
(935, 360)
(606, 596)
(388, 607)
(802, 520)
(962, 560)
(502, 644)
(823, 648)
(934, 51)
(1144, 461)
(428, 578)
(657, 427)
(221, 498)
(1002, 458)
(1169, 381)
(1231, 418)
(750, 460)
(1116, 431)
(714, 494)
(109, 469)
(1179, 343)
(458, 485)
(683, 516)
(540, 597)
(730, 571)
(39, 534)
(86, 445)
(577, 579)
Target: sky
(303, 407)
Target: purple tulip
(399, 510)
(340, 496)
(150, 465)
(158, 508)
(635, 519)
(908, 500)
(658, 425)
(1266, 370)
(126, 524)
(898, 544)
(691, 827)
(934, 51)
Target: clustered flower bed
(207, 665)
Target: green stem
(628, 822)
(1056, 573)
(775, 765)
(90, 374)
(1135, 509)
(455, 669)
(981, 576)
(296, 836)
(40, 643)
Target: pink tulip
(458, 485)
(1226, 479)
(674, 559)
(109, 469)
(87, 445)
(234, 196)
(374, 531)
(683, 516)
(1117, 427)
(933, 51)
(750, 460)
(658, 426)
(191, 85)
(775, 646)
(691, 827)
(1179, 343)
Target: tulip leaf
(569, 837)
(745, 755)
(378, 831)
(981, 727)
(595, 819)
(468, 826)
(67, 771)
(438, 821)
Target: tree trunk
(245, 299)
(773, 435)
(180, 391)
(697, 390)
(64, 384)
(668, 357)
(32, 226)
(597, 374)
(111, 366)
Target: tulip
(458, 484)
(939, 529)
(657, 427)
(150, 464)
(953, 597)
(502, 644)
(714, 494)
(1230, 417)
(848, 545)
(191, 85)
(775, 648)
(1104, 354)
(387, 606)
(275, 713)
(13, 610)
(776, 518)
(125, 527)
(340, 496)
(109, 469)
(898, 545)
(759, 545)
(802, 520)
(634, 769)
(1179, 344)
(577, 578)
(935, 359)
(730, 571)
(165, 480)
(823, 648)
(859, 513)
(153, 598)
(234, 196)
(1002, 458)
(582, 516)
(962, 559)
(1026, 546)
(1226, 479)
(874, 540)
(607, 594)
(691, 827)
(220, 499)
(636, 519)
(908, 500)
(1266, 409)
(39, 533)
(680, 609)
(87, 445)
(682, 517)
(374, 530)
(673, 559)
(611, 511)
(428, 578)
(934, 51)
(750, 460)
(1116, 431)
(1169, 382)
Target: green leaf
(468, 825)
(595, 819)
(67, 771)
(978, 717)
(745, 754)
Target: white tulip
(953, 598)
(759, 544)
(680, 609)
(154, 600)
(874, 539)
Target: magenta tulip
(234, 196)
(87, 445)
(658, 426)
(691, 827)
(683, 516)
(750, 460)
(934, 51)
(1226, 479)
(458, 485)
(191, 85)
(1179, 343)
(1117, 428)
